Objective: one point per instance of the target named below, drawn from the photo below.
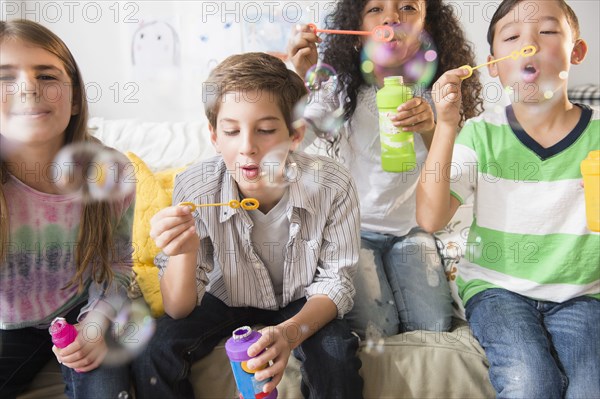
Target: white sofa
(412, 365)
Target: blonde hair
(95, 248)
(242, 73)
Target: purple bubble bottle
(62, 332)
(237, 351)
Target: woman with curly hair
(400, 285)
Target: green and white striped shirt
(529, 232)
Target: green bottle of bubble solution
(397, 146)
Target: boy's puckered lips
(530, 71)
(251, 170)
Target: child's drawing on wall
(269, 29)
(155, 49)
(211, 39)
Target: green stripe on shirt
(545, 259)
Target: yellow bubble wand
(526, 51)
(248, 204)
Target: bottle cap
(590, 165)
(594, 155)
(57, 325)
(241, 333)
(394, 80)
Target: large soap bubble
(96, 172)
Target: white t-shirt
(387, 200)
(269, 236)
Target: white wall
(476, 15)
(99, 33)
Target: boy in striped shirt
(288, 265)
(530, 277)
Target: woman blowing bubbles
(400, 283)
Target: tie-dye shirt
(43, 231)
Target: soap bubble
(321, 77)
(474, 249)
(123, 395)
(274, 166)
(129, 333)
(298, 112)
(412, 54)
(95, 172)
(367, 66)
(374, 340)
(328, 126)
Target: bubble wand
(248, 204)
(525, 52)
(381, 33)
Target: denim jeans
(538, 349)
(103, 382)
(329, 362)
(24, 352)
(400, 285)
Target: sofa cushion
(153, 192)
(162, 145)
(420, 364)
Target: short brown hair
(248, 72)
(507, 5)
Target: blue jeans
(329, 362)
(538, 349)
(100, 383)
(400, 285)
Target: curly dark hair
(445, 30)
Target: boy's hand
(415, 115)
(173, 229)
(88, 350)
(302, 49)
(277, 349)
(447, 96)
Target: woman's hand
(173, 229)
(415, 115)
(277, 349)
(302, 49)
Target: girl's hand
(277, 349)
(302, 49)
(88, 350)
(173, 229)
(415, 115)
(447, 96)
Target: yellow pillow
(153, 193)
